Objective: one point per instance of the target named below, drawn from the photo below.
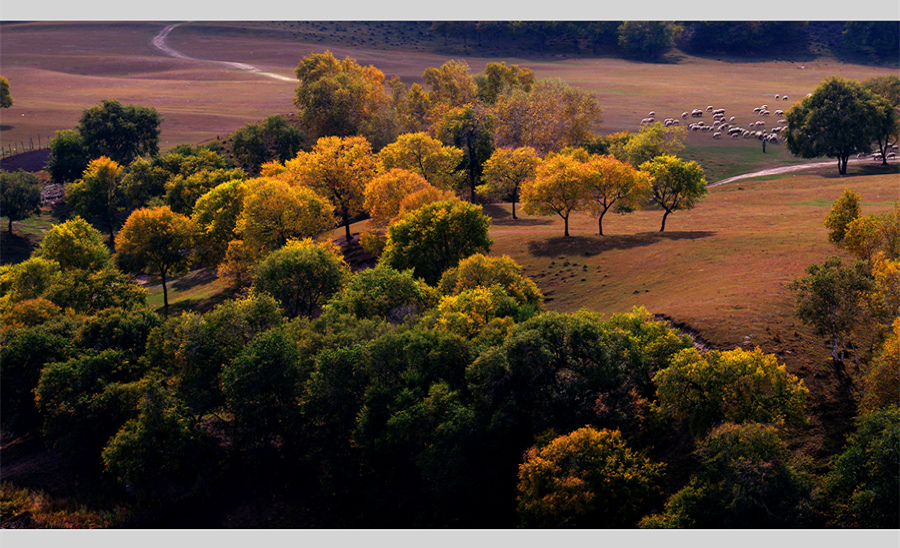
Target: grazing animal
(652, 113)
(731, 119)
(784, 98)
(717, 135)
(777, 97)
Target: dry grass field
(56, 69)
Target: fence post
(31, 143)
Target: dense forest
(405, 376)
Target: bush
(383, 292)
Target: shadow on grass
(198, 305)
(501, 217)
(195, 278)
(594, 245)
(15, 248)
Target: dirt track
(779, 170)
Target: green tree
(157, 241)
(88, 292)
(470, 128)
(272, 139)
(68, 156)
(651, 141)
(114, 328)
(499, 79)
(6, 99)
(75, 244)
(96, 194)
(863, 485)
(338, 98)
(27, 280)
(841, 118)
(830, 298)
(183, 191)
(121, 132)
(302, 275)
(506, 171)
(843, 211)
(747, 479)
(216, 216)
(588, 478)
(732, 386)
(677, 184)
(887, 87)
(479, 270)
(20, 196)
(436, 237)
(383, 292)
(647, 40)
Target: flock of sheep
(720, 126)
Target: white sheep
(784, 98)
(709, 108)
(777, 97)
(684, 114)
(717, 135)
(779, 113)
(731, 119)
(652, 113)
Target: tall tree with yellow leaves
(614, 184)
(559, 186)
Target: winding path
(783, 169)
(159, 42)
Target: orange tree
(157, 241)
(338, 169)
(385, 192)
(611, 183)
(559, 186)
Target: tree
(338, 169)
(426, 156)
(385, 192)
(275, 212)
(651, 141)
(6, 99)
(499, 79)
(272, 139)
(302, 275)
(732, 386)
(559, 186)
(588, 478)
(841, 118)
(383, 292)
(436, 237)
(338, 98)
(863, 484)
(96, 194)
(120, 132)
(677, 184)
(830, 298)
(470, 128)
(505, 172)
(452, 85)
(843, 211)
(552, 116)
(20, 195)
(157, 241)
(479, 270)
(216, 216)
(747, 478)
(182, 191)
(611, 183)
(647, 39)
(887, 87)
(68, 156)
(75, 244)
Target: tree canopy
(96, 197)
(6, 99)
(121, 132)
(20, 194)
(505, 172)
(677, 184)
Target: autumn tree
(479, 270)
(469, 128)
(559, 186)
(452, 85)
(384, 193)
(120, 132)
(732, 386)
(843, 211)
(552, 116)
(841, 118)
(75, 244)
(426, 156)
(274, 212)
(677, 184)
(614, 184)
(338, 98)
(589, 478)
(505, 172)
(412, 106)
(436, 237)
(338, 169)
(6, 99)
(302, 275)
(499, 79)
(651, 141)
(157, 241)
(20, 195)
(216, 216)
(182, 191)
(96, 194)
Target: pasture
(56, 69)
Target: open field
(57, 69)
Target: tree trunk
(10, 226)
(666, 214)
(162, 274)
(600, 221)
(346, 217)
(566, 219)
(514, 209)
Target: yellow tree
(412, 106)
(337, 168)
(422, 154)
(506, 170)
(216, 214)
(452, 86)
(384, 193)
(275, 212)
(157, 241)
(677, 184)
(611, 183)
(559, 187)
(96, 194)
(424, 197)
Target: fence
(19, 147)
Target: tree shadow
(501, 217)
(195, 278)
(594, 245)
(15, 248)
